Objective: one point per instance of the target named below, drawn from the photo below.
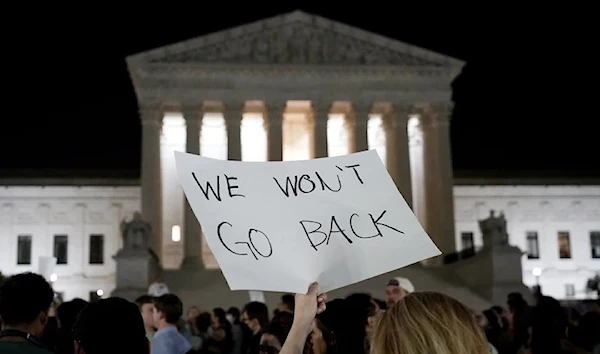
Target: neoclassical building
(295, 86)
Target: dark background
(526, 102)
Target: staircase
(208, 288)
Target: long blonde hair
(428, 323)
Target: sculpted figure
(493, 230)
(136, 233)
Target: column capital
(397, 116)
(193, 114)
(273, 113)
(360, 113)
(151, 114)
(233, 112)
(436, 114)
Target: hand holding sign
(279, 226)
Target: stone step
(208, 289)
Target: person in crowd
(276, 333)
(50, 336)
(220, 340)
(428, 322)
(167, 311)
(190, 319)
(396, 289)
(548, 327)
(256, 317)
(492, 328)
(373, 311)
(381, 304)
(587, 334)
(322, 340)
(184, 328)
(519, 321)
(358, 305)
(203, 323)
(332, 329)
(501, 313)
(286, 304)
(425, 322)
(67, 314)
(145, 304)
(482, 321)
(25, 300)
(233, 316)
(112, 325)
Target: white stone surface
(77, 212)
(545, 209)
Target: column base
(195, 262)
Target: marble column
(359, 140)
(320, 118)
(192, 232)
(151, 117)
(273, 119)
(397, 150)
(438, 177)
(233, 113)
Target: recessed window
(564, 245)
(96, 249)
(595, 243)
(24, 249)
(533, 249)
(61, 248)
(467, 240)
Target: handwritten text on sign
(278, 226)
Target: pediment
(297, 38)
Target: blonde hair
(428, 323)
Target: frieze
(96, 217)
(531, 215)
(25, 218)
(295, 43)
(59, 217)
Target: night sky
(522, 105)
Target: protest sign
(279, 226)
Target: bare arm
(294, 344)
(306, 308)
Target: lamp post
(537, 289)
(537, 271)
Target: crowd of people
(406, 322)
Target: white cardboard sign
(279, 226)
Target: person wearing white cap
(396, 289)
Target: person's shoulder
(21, 348)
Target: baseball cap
(403, 283)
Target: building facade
(78, 225)
(556, 226)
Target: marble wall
(80, 212)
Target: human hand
(309, 305)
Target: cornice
(185, 70)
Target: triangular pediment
(296, 38)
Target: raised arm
(306, 308)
